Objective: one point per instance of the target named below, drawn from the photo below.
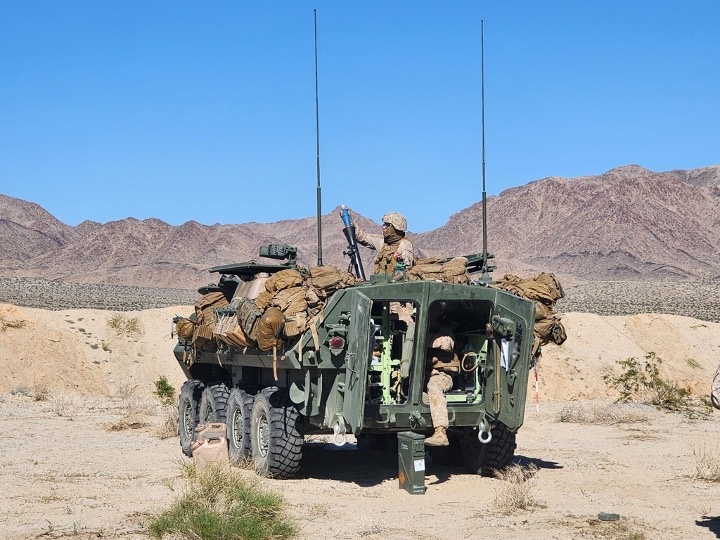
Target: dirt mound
(85, 352)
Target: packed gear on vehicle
(282, 351)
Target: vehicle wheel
(213, 403)
(239, 415)
(484, 459)
(189, 413)
(275, 434)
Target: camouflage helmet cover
(397, 220)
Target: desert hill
(629, 223)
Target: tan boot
(439, 438)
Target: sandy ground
(70, 379)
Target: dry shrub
(40, 392)
(133, 414)
(615, 530)
(126, 391)
(168, 428)
(126, 326)
(132, 419)
(515, 492)
(605, 413)
(707, 461)
(14, 324)
(245, 463)
(371, 526)
(60, 403)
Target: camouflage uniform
(715, 390)
(392, 247)
(443, 363)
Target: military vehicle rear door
(358, 355)
(509, 356)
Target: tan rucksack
(204, 310)
(328, 279)
(437, 269)
(283, 279)
(269, 328)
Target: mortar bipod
(484, 433)
(339, 435)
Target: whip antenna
(317, 143)
(485, 276)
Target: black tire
(189, 413)
(485, 459)
(239, 417)
(213, 403)
(275, 434)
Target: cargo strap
(312, 326)
(314, 332)
(496, 392)
(275, 362)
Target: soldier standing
(393, 250)
(392, 246)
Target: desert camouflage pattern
(437, 385)
(397, 220)
(383, 260)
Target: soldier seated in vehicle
(443, 364)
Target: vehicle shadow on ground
(325, 461)
(711, 523)
(525, 461)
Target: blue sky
(205, 111)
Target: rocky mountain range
(627, 224)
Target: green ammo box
(411, 462)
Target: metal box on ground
(411, 462)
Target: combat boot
(439, 438)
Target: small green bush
(165, 391)
(641, 382)
(221, 504)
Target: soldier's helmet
(397, 220)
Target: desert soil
(82, 452)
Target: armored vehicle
(352, 362)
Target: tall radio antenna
(485, 275)
(317, 142)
